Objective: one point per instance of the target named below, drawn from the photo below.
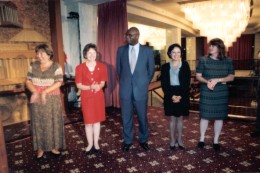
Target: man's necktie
(132, 60)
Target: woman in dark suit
(175, 81)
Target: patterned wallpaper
(36, 11)
(15, 57)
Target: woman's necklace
(91, 66)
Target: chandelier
(217, 18)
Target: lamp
(217, 18)
(28, 34)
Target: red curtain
(112, 25)
(242, 52)
(206, 46)
(243, 48)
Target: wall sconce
(8, 15)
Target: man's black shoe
(145, 146)
(255, 134)
(126, 147)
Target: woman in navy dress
(175, 81)
(213, 72)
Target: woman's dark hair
(87, 47)
(45, 48)
(171, 47)
(221, 47)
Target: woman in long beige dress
(44, 79)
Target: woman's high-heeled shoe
(41, 158)
(201, 144)
(85, 153)
(172, 147)
(55, 154)
(97, 151)
(181, 146)
(216, 147)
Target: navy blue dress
(213, 104)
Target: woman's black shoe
(201, 144)
(216, 147)
(172, 147)
(85, 153)
(255, 134)
(97, 151)
(55, 154)
(181, 146)
(42, 158)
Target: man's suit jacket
(136, 83)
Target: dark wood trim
(56, 35)
(3, 155)
(56, 31)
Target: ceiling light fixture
(217, 18)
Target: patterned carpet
(239, 152)
(20, 131)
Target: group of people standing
(213, 72)
(135, 69)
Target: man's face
(258, 56)
(132, 36)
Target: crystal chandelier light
(217, 18)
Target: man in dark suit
(135, 68)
